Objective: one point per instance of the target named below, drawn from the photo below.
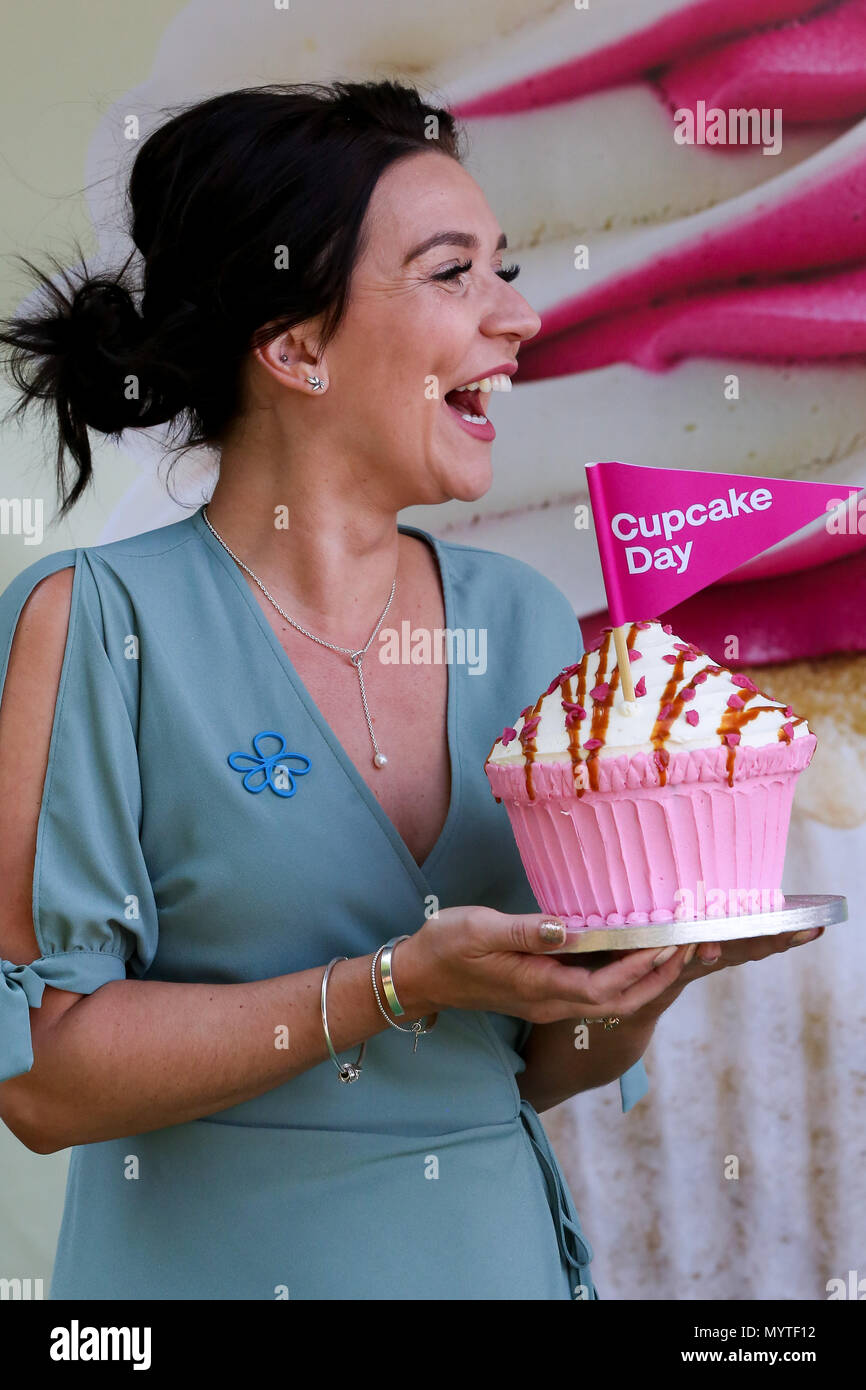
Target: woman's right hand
(478, 958)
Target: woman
(225, 792)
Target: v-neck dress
(169, 850)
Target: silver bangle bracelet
(348, 1071)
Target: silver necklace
(356, 657)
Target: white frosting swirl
(630, 728)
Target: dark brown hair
(214, 194)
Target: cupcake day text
(640, 558)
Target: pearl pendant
(379, 760)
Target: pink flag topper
(665, 533)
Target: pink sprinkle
(665, 711)
(745, 682)
(789, 709)
(661, 757)
(525, 713)
(507, 735)
(529, 727)
(732, 740)
(600, 692)
(789, 730)
(571, 670)
(682, 646)
(557, 680)
(666, 627)
(735, 702)
(641, 627)
(714, 670)
(593, 743)
(633, 655)
(699, 677)
(640, 688)
(692, 717)
(671, 659)
(687, 693)
(573, 718)
(577, 710)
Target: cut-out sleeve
(93, 906)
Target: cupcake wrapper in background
(618, 855)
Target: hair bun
(103, 316)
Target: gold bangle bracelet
(388, 979)
(422, 1025)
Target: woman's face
(417, 327)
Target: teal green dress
(159, 858)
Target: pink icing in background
(785, 282)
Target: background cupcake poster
(701, 279)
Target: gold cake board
(800, 913)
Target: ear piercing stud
(314, 381)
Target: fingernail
(553, 933)
(690, 953)
(664, 955)
(800, 936)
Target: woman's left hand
(709, 957)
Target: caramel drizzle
(497, 799)
(574, 730)
(530, 749)
(662, 727)
(601, 709)
(733, 720)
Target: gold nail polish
(554, 933)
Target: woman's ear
(291, 359)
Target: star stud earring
(314, 381)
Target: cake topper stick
(623, 661)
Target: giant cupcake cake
(674, 805)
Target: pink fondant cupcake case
(674, 806)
